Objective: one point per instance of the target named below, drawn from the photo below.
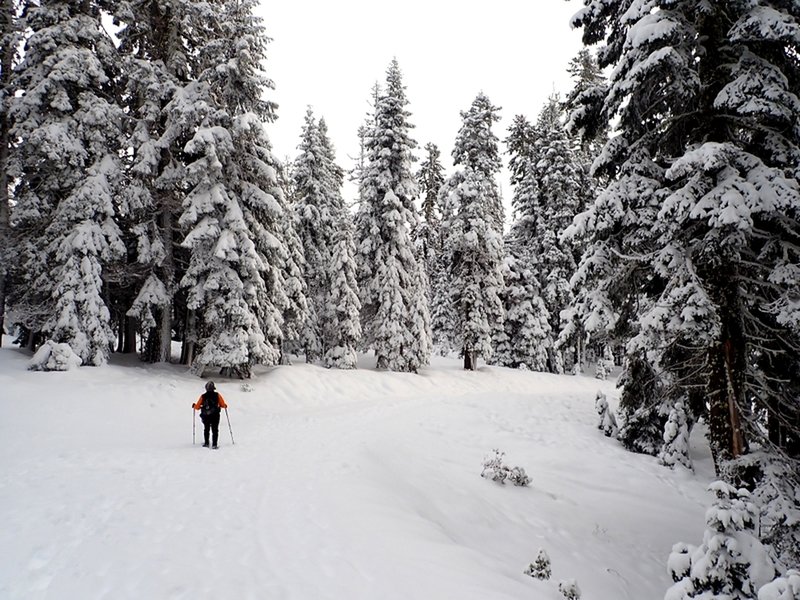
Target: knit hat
(210, 387)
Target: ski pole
(229, 426)
(192, 425)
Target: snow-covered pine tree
(316, 228)
(540, 568)
(559, 197)
(477, 149)
(675, 450)
(581, 105)
(525, 339)
(431, 181)
(68, 128)
(643, 409)
(161, 44)
(394, 307)
(342, 324)
(703, 206)
(286, 281)
(731, 562)
(235, 200)
(472, 231)
(9, 43)
(522, 249)
(324, 225)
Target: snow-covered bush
(517, 476)
(540, 568)
(604, 365)
(246, 387)
(676, 439)
(495, 470)
(608, 422)
(777, 494)
(52, 356)
(782, 588)
(569, 589)
(730, 563)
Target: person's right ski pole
(229, 426)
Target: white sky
(329, 54)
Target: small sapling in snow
(540, 568)
(607, 421)
(495, 470)
(569, 589)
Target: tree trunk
(189, 339)
(6, 63)
(130, 326)
(470, 360)
(164, 352)
(726, 395)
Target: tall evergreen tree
(234, 201)
(522, 298)
(394, 308)
(431, 180)
(477, 149)
(69, 131)
(9, 42)
(581, 105)
(164, 45)
(701, 215)
(315, 228)
(473, 233)
(560, 197)
(323, 224)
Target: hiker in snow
(209, 405)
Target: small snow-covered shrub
(540, 568)
(54, 357)
(246, 387)
(680, 561)
(675, 450)
(607, 421)
(495, 470)
(517, 476)
(782, 588)
(569, 589)
(604, 365)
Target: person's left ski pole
(229, 427)
(193, 425)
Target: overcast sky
(328, 54)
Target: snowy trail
(340, 485)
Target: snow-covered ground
(341, 485)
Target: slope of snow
(341, 485)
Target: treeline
(146, 207)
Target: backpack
(210, 407)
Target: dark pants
(211, 422)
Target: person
(210, 405)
